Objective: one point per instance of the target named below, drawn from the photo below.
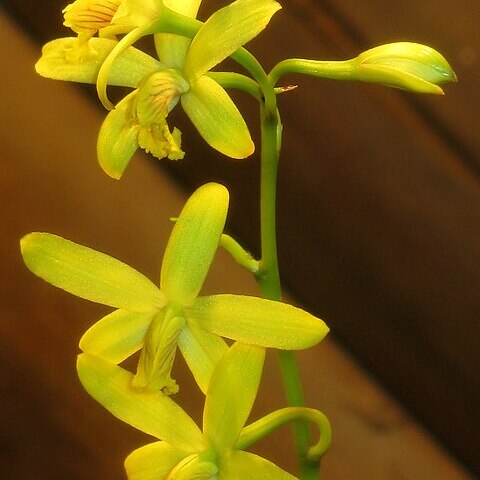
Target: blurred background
(379, 220)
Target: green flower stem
(341, 70)
(254, 432)
(237, 81)
(250, 63)
(269, 274)
(239, 254)
(172, 22)
(269, 277)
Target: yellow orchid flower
(184, 451)
(140, 119)
(156, 320)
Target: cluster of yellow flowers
(155, 321)
(179, 74)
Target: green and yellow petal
(150, 412)
(231, 394)
(241, 465)
(224, 32)
(201, 350)
(118, 138)
(61, 60)
(117, 336)
(89, 274)
(258, 321)
(172, 48)
(217, 118)
(153, 461)
(135, 13)
(193, 243)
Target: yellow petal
(62, 60)
(231, 394)
(241, 465)
(217, 118)
(225, 31)
(172, 48)
(258, 321)
(202, 351)
(89, 274)
(153, 461)
(193, 243)
(116, 336)
(152, 413)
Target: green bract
(139, 120)
(184, 452)
(156, 320)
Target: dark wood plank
(409, 198)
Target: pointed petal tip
(112, 173)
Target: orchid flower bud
(405, 65)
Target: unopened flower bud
(405, 65)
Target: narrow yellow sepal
(193, 243)
(152, 413)
(89, 274)
(217, 118)
(258, 321)
(225, 31)
(65, 59)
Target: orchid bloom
(156, 320)
(181, 74)
(184, 451)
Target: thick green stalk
(269, 277)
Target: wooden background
(379, 217)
